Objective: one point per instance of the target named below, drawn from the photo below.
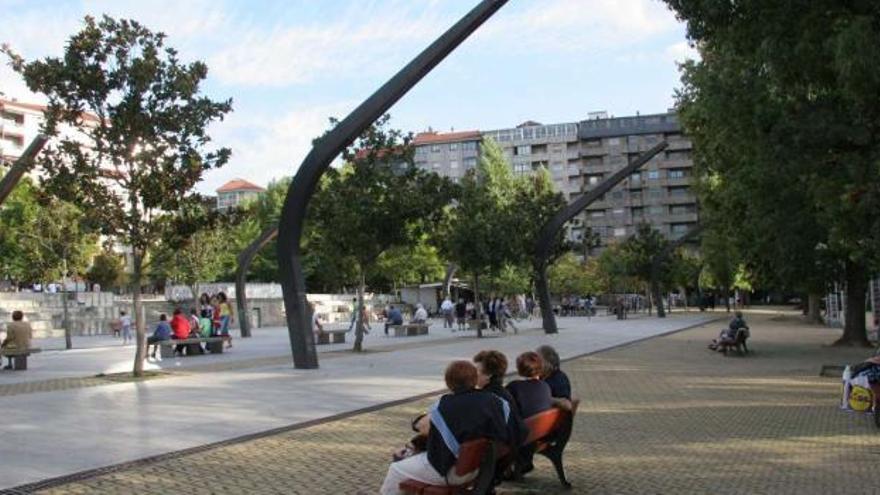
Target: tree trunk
(725, 293)
(854, 330)
(542, 285)
(68, 340)
(814, 300)
(140, 334)
(359, 324)
(478, 305)
(658, 298)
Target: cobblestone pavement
(659, 416)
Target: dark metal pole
(547, 237)
(24, 163)
(660, 258)
(244, 263)
(325, 150)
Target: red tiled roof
(446, 137)
(239, 185)
(42, 108)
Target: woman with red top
(179, 329)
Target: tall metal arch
(548, 233)
(325, 150)
(245, 258)
(20, 166)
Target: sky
(290, 65)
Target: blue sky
(289, 65)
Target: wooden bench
(331, 337)
(549, 432)
(474, 454)
(19, 356)
(738, 344)
(214, 344)
(409, 329)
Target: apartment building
(448, 154)
(581, 155)
(19, 125)
(660, 194)
(237, 192)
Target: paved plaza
(663, 415)
(61, 419)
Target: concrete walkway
(662, 416)
(51, 434)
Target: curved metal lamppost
(21, 165)
(325, 150)
(245, 258)
(660, 258)
(548, 233)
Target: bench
(409, 329)
(19, 356)
(549, 432)
(331, 337)
(738, 344)
(214, 344)
(474, 454)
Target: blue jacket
(395, 316)
(163, 331)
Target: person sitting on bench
(728, 335)
(420, 316)
(162, 332)
(395, 317)
(560, 386)
(18, 335)
(464, 414)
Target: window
(594, 179)
(436, 165)
(557, 167)
(655, 210)
(616, 194)
(679, 191)
(435, 148)
(635, 178)
(682, 209)
(453, 146)
(597, 213)
(619, 231)
(653, 174)
(523, 150)
(470, 162)
(453, 164)
(469, 146)
(678, 229)
(678, 173)
(617, 212)
(614, 141)
(655, 193)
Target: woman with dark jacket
(464, 414)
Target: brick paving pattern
(660, 416)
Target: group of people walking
(479, 405)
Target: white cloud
(681, 51)
(578, 25)
(358, 41)
(270, 147)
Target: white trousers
(418, 468)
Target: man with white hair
(421, 316)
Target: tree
(402, 265)
(145, 149)
(480, 234)
(783, 111)
(569, 276)
(107, 269)
(378, 200)
(201, 257)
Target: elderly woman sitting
(461, 415)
